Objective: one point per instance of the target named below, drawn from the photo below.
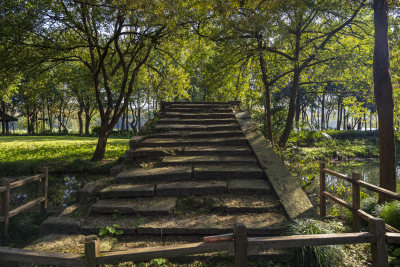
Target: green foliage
(161, 262)
(24, 155)
(390, 212)
(22, 226)
(316, 255)
(111, 230)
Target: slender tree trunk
(339, 115)
(384, 98)
(3, 117)
(292, 109)
(101, 143)
(87, 123)
(323, 112)
(122, 129)
(80, 119)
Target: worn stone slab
(217, 150)
(150, 152)
(199, 115)
(63, 224)
(135, 141)
(249, 187)
(143, 206)
(208, 160)
(191, 188)
(127, 190)
(196, 121)
(243, 203)
(197, 104)
(212, 224)
(155, 174)
(293, 198)
(91, 190)
(198, 134)
(94, 223)
(116, 169)
(199, 109)
(228, 172)
(231, 141)
(179, 127)
(70, 209)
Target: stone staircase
(196, 175)
(201, 169)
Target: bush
(390, 212)
(316, 255)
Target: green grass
(24, 155)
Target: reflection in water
(63, 190)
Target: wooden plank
(356, 202)
(393, 238)
(379, 190)
(379, 253)
(5, 206)
(26, 206)
(322, 188)
(309, 240)
(25, 181)
(45, 189)
(169, 252)
(92, 250)
(338, 200)
(338, 175)
(40, 257)
(241, 245)
(367, 217)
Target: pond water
(369, 172)
(63, 190)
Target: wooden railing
(6, 213)
(356, 183)
(238, 242)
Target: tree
(384, 98)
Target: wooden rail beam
(356, 202)
(322, 188)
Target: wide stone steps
(199, 105)
(197, 134)
(267, 223)
(198, 115)
(238, 187)
(198, 173)
(152, 152)
(199, 110)
(231, 141)
(208, 160)
(193, 127)
(195, 121)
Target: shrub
(316, 255)
(390, 212)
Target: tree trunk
(384, 98)
(292, 109)
(122, 129)
(80, 119)
(323, 112)
(339, 115)
(3, 118)
(101, 143)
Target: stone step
(195, 121)
(232, 141)
(208, 160)
(191, 188)
(143, 175)
(151, 152)
(228, 172)
(199, 115)
(268, 223)
(249, 187)
(197, 134)
(217, 150)
(227, 204)
(199, 105)
(192, 127)
(139, 206)
(127, 191)
(199, 109)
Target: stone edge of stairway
(293, 198)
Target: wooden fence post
(5, 205)
(92, 250)
(322, 187)
(379, 251)
(240, 233)
(356, 202)
(45, 186)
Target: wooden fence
(239, 243)
(356, 183)
(6, 213)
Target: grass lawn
(25, 155)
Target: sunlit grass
(26, 154)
